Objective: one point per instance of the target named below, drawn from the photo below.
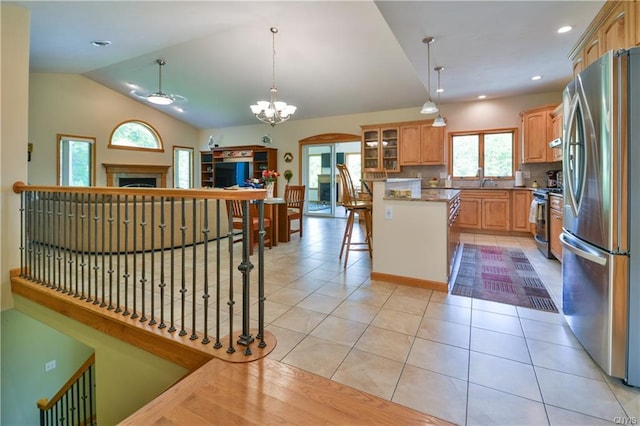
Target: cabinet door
(535, 125)
(556, 125)
(432, 145)
(370, 141)
(577, 65)
(521, 205)
(591, 51)
(615, 30)
(410, 145)
(389, 150)
(556, 229)
(636, 25)
(495, 214)
(470, 213)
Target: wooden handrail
(43, 405)
(219, 194)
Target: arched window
(136, 134)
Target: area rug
(501, 274)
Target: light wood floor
(270, 392)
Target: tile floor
(468, 361)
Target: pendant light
(439, 121)
(160, 98)
(273, 111)
(429, 107)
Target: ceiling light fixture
(160, 98)
(536, 77)
(101, 43)
(565, 29)
(482, 97)
(429, 107)
(439, 121)
(274, 111)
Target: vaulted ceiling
(332, 57)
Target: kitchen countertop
(488, 188)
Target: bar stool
(354, 206)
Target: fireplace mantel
(136, 169)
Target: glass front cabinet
(380, 148)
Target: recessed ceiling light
(440, 90)
(565, 29)
(101, 43)
(482, 97)
(179, 109)
(133, 85)
(536, 77)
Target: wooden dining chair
(234, 209)
(354, 206)
(294, 198)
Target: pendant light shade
(160, 98)
(439, 121)
(429, 107)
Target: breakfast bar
(414, 240)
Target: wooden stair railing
(75, 402)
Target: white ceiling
(333, 57)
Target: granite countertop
(431, 194)
(487, 188)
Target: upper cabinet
(537, 132)
(556, 132)
(380, 148)
(421, 144)
(616, 26)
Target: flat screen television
(231, 173)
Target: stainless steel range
(543, 218)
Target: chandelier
(273, 111)
(429, 107)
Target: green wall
(26, 346)
(127, 377)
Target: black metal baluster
(135, 257)
(67, 238)
(245, 268)
(74, 283)
(205, 258)
(183, 283)
(261, 297)
(22, 246)
(111, 271)
(97, 253)
(153, 260)
(50, 234)
(172, 277)
(126, 256)
(119, 253)
(30, 235)
(230, 302)
(194, 271)
(88, 250)
(162, 284)
(59, 219)
(103, 256)
(143, 278)
(83, 264)
(218, 344)
(38, 237)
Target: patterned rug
(501, 274)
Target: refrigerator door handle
(582, 250)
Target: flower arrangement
(269, 176)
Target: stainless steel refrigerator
(601, 224)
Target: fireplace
(141, 175)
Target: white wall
(74, 105)
(477, 115)
(14, 87)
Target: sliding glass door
(320, 174)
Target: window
(76, 160)
(354, 164)
(315, 169)
(493, 151)
(136, 134)
(182, 167)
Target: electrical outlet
(50, 365)
(388, 212)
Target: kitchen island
(414, 241)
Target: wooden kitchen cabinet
(421, 144)
(555, 225)
(380, 148)
(616, 26)
(536, 134)
(556, 126)
(521, 207)
(487, 210)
